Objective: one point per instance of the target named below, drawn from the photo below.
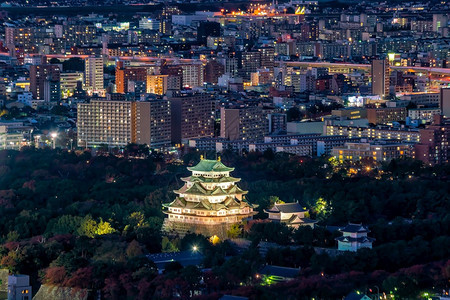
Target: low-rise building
(386, 115)
(350, 113)
(19, 287)
(354, 237)
(425, 114)
(291, 214)
(379, 132)
(270, 274)
(379, 151)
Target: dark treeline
(75, 220)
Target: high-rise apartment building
(439, 21)
(157, 84)
(45, 79)
(118, 123)
(213, 70)
(248, 62)
(445, 102)
(153, 123)
(93, 73)
(267, 57)
(192, 116)
(206, 29)
(175, 79)
(192, 74)
(243, 123)
(124, 74)
(19, 37)
(165, 26)
(380, 77)
(434, 147)
(105, 122)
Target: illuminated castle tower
(208, 203)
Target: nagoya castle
(208, 203)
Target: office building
(105, 122)
(423, 114)
(248, 62)
(277, 123)
(69, 82)
(420, 99)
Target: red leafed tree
(55, 275)
(111, 289)
(145, 289)
(81, 278)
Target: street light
(37, 140)
(53, 135)
(378, 291)
(194, 248)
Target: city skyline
(224, 150)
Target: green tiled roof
(198, 189)
(209, 180)
(208, 165)
(178, 202)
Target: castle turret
(208, 203)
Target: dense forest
(83, 221)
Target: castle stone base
(172, 228)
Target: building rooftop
(210, 180)
(185, 258)
(286, 208)
(354, 228)
(355, 296)
(198, 189)
(207, 165)
(280, 271)
(349, 239)
(231, 297)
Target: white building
(148, 23)
(19, 287)
(25, 98)
(192, 74)
(426, 114)
(354, 238)
(94, 73)
(291, 214)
